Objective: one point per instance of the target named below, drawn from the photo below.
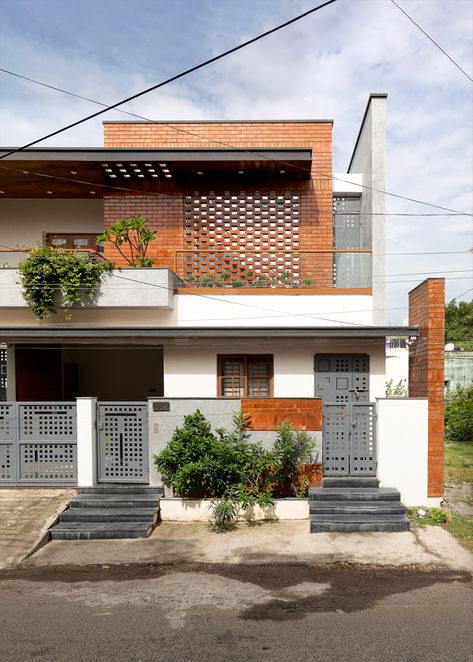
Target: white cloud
(323, 67)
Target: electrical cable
(172, 78)
(157, 194)
(433, 41)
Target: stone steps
(355, 505)
(109, 511)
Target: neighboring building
(267, 291)
(458, 369)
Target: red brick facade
(267, 413)
(426, 369)
(166, 210)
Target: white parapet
(121, 288)
(402, 437)
(86, 442)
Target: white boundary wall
(402, 435)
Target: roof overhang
(153, 336)
(76, 172)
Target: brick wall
(426, 369)
(267, 413)
(165, 209)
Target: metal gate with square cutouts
(38, 443)
(123, 442)
(349, 439)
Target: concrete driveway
(25, 516)
(285, 542)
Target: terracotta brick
(267, 414)
(426, 369)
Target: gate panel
(38, 443)
(8, 446)
(123, 442)
(349, 439)
(335, 440)
(362, 439)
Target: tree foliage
(459, 322)
(459, 414)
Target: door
(342, 377)
(348, 434)
(123, 442)
(349, 439)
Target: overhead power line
(433, 41)
(172, 78)
(453, 212)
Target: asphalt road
(210, 613)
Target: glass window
(245, 376)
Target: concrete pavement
(25, 516)
(284, 542)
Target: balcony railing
(348, 269)
(223, 268)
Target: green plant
(48, 272)
(438, 516)
(292, 448)
(132, 235)
(459, 414)
(307, 282)
(396, 391)
(459, 323)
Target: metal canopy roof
(146, 335)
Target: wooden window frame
(70, 236)
(269, 358)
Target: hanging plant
(50, 274)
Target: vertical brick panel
(426, 370)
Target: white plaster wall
(347, 183)
(271, 310)
(211, 310)
(192, 371)
(23, 222)
(402, 436)
(397, 365)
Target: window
(77, 241)
(245, 376)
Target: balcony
(122, 288)
(314, 271)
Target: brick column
(426, 369)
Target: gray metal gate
(349, 439)
(123, 442)
(38, 443)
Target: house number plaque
(161, 406)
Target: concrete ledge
(198, 510)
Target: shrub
(292, 448)
(459, 414)
(438, 516)
(48, 273)
(229, 468)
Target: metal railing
(298, 268)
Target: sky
(323, 67)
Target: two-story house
(266, 293)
